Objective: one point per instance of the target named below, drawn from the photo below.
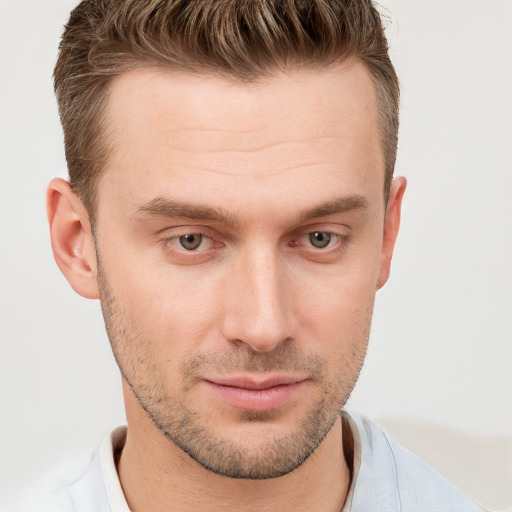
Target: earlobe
(71, 236)
(391, 227)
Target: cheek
(336, 317)
(171, 306)
(339, 299)
(342, 322)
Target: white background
(441, 348)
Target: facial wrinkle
(277, 172)
(262, 147)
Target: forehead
(189, 130)
(298, 100)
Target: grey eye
(319, 239)
(191, 242)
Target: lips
(254, 394)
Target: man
(231, 203)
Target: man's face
(239, 236)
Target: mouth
(254, 394)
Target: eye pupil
(319, 239)
(191, 242)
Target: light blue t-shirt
(386, 478)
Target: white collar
(115, 441)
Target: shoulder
(76, 485)
(387, 472)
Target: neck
(155, 473)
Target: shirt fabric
(386, 477)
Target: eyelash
(174, 240)
(340, 240)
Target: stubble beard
(255, 459)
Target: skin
(252, 170)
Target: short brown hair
(244, 39)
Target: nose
(258, 307)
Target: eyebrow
(162, 207)
(333, 207)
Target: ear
(71, 236)
(391, 226)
